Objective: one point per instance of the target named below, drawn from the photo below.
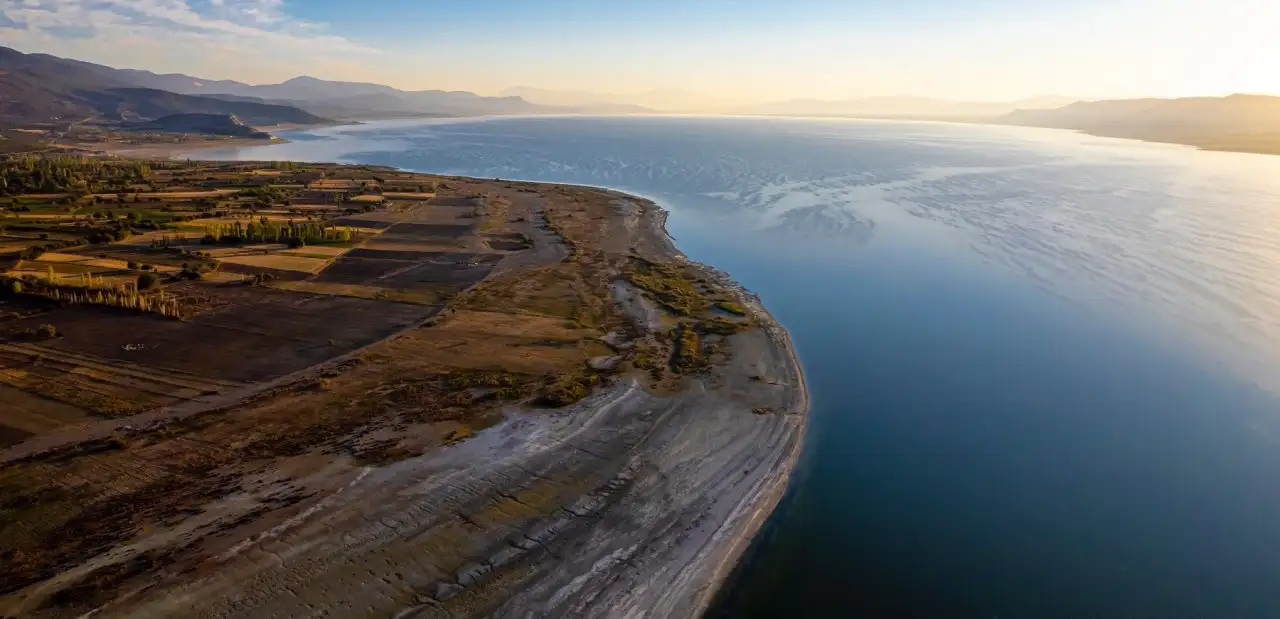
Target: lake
(1044, 366)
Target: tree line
(266, 231)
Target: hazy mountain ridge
(905, 107)
(40, 88)
(1249, 123)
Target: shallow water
(1043, 365)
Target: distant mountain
(342, 100)
(1249, 123)
(217, 124)
(658, 100)
(38, 88)
(43, 87)
(903, 107)
(594, 102)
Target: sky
(726, 50)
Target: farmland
(201, 362)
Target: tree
(147, 281)
(47, 331)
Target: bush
(133, 265)
(296, 242)
(15, 287)
(147, 281)
(47, 331)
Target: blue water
(1043, 366)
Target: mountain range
(39, 89)
(682, 101)
(42, 89)
(1248, 123)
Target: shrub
(296, 242)
(15, 287)
(47, 331)
(147, 281)
(133, 265)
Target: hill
(903, 107)
(217, 124)
(40, 89)
(1246, 123)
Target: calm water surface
(1043, 366)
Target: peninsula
(274, 389)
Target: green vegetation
(295, 234)
(46, 331)
(569, 388)
(90, 290)
(687, 344)
(77, 176)
(147, 281)
(732, 308)
(671, 287)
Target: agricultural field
(220, 273)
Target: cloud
(255, 39)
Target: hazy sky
(744, 49)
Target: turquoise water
(1043, 366)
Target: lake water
(1044, 366)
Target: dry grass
(102, 263)
(317, 251)
(406, 195)
(370, 199)
(278, 261)
(417, 297)
(518, 325)
(35, 414)
(57, 257)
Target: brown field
(420, 296)
(368, 199)
(408, 195)
(93, 384)
(6, 248)
(278, 261)
(258, 334)
(33, 414)
(317, 251)
(57, 257)
(336, 183)
(365, 222)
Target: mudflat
(507, 399)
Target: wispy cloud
(256, 38)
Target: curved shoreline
(766, 501)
